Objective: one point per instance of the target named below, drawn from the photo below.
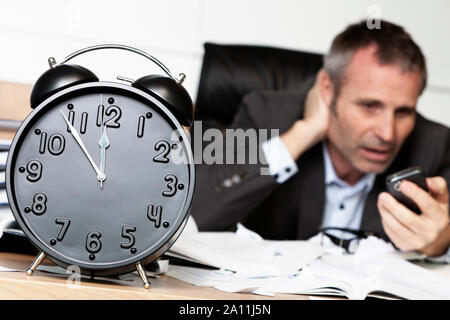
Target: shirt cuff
(281, 164)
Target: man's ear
(326, 87)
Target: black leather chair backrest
(229, 72)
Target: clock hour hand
(100, 175)
(103, 143)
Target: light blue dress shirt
(344, 204)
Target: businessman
(341, 134)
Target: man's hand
(316, 111)
(306, 132)
(428, 233)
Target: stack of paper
(245, 252)
(4, 147)
(3, 156)
(6, 216)
(248, 263)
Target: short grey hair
(394, 46)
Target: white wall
(174, 31)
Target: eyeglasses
(349, 244)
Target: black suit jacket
(294, 209)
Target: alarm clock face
(55, 193)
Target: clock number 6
(93, 243)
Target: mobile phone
(413, 174)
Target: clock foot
(140, 270)
(37, 261)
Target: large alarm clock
(100, 175)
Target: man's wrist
(281, 165)
(440, 247)
(444, 257)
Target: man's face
(374, 112)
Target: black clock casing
(142, 206)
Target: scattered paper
(250, 264)
(372, 247)
(246, 252)
(237, 283)
(163, 266)
(245, 233)
(191, 227)
(384, 273)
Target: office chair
(229, 72)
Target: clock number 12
(113, 112)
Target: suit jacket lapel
(311, 188)
(371, 220)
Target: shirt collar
(366, 180)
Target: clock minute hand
(103, 143)
(100, 175)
